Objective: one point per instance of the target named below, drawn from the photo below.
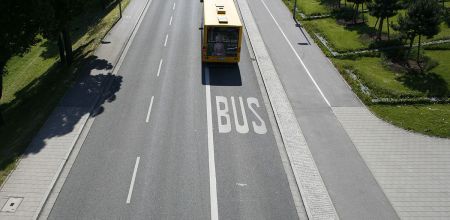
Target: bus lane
(250, 179)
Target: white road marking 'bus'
(224, 115)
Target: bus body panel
(221, 41)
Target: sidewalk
(362, 159)
(412, 169)
(25, 192)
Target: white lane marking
(170, 22)
(165, 41)
(159, 68)
(212, 163)
(174, 4)
(147, 119)
(296, 54)
(130, 191)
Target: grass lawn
(339, 37)
(353, 37)
(443, 69)
(313, 7)
(35, 82)
(380, 80)
(426, 119)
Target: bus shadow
(222, 74)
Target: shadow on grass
(29, 111)
(429, 83)
(83, 25)
(333, 4)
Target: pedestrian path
(27, 188)
(40, 166)
(412, 169)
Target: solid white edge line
(130, 191)
(149, 110)
(165, 41)
(212, 165)
(170, 22)
(159, 68)
(296, 54)
(174, 4)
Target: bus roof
(221, 13)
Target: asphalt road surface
(180, 140)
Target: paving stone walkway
(412, 169)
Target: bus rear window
(223, 41)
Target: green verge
(433, 119)
(357, 37)
(35, 82)
(385, 82)
(380, 80)
(312, 7)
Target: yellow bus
(222, 32)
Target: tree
(422, 18)
(56, 23)
(383, 10)
(356, 5)
(18, 34)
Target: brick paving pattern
(412, 169)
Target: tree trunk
(1, 84)
(120, 8)
(380, 28)
(362, 12)
(62, 55)
(1, 95)
(376, 23)
(411, 41)
(388, 29)
(418, 50)
(68, 46)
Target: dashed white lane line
(174, 4)
(147, 119)
(170, 22)
(130, 191)
(165, 41)
(212, 163)
(159, 68)
(296, 54)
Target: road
(180, 140)
(314, 88)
